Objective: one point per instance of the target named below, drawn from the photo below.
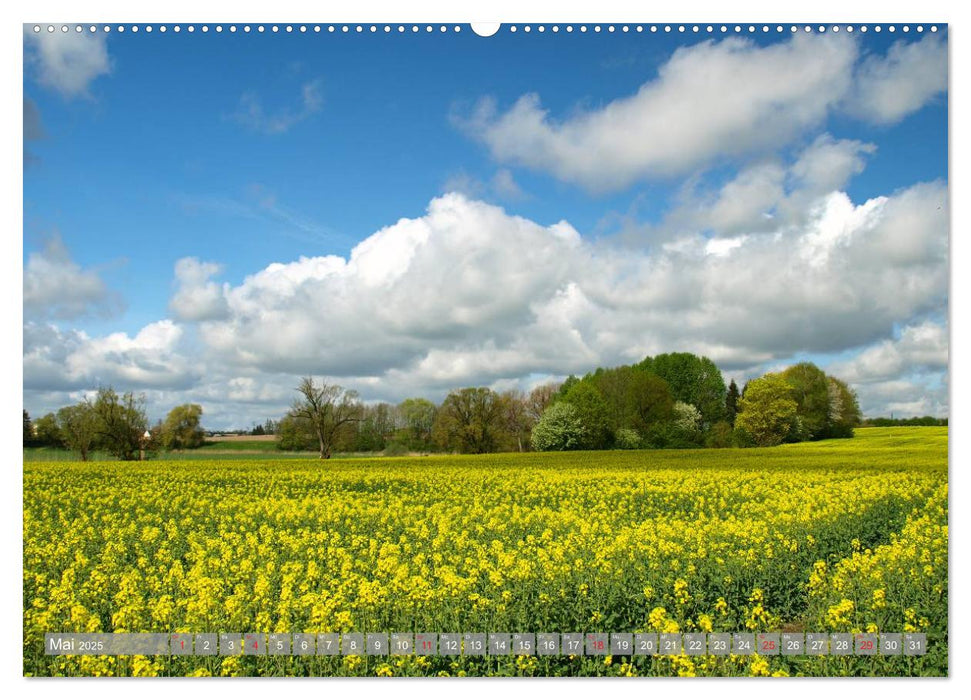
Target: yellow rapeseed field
(846, 535)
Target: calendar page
(546, 349)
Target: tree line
(673, 400)
(115, 424)
(669, 401)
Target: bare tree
(539, 398)
(328, 408)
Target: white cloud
(66, 62)
(712, 99)
(56, 360)
(718, 100)
(828, 164)
(763, 197)
(502, 186)
(251, 113)
(890, 87)
(922, 395)
(57, 287)
(505, 186)
(470, 294)
(197, 297)
(918, 348)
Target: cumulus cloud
(66, 62)
(251, 113)
(197, 297)
(762, 197)
(57, 287)
(890, 87)
(716, 100)
(920, 395)
(56, 360)
(468, 293)
(917, 348)
(712, 99)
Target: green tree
(565, 387)
(46, 432)
(767, 411)
(376, 428)
(843, 412)
(181, 429)
(692, 379)
(635, 398)
(627, 439)
(28, 430)
(470, 421)
(328, 408)
(731, 402)
(79, 428)
(559, 428)
(122, 422)
(418, 419)
(720, 435)
(295, 434)
(592, 409)
(810, 390)
(686, 417)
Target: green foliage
(627, 439)
(28, 430)
(810, 390)
(418, 418)
(560, 428)
(915, 421)
(634, 398)
(844, 410)
(592, 410)
(181, 429)
(565, 387)
(469, 421)
(692, 379)
(395, 448)
(731, 402)
(375, 430)
(720, 435)
(122, 423)
(767, 411)
(79, 426)
(686, 417)
(295, 434)
(47, 433)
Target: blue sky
(570, 200)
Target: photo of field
(831, 536)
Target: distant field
(848, 535)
